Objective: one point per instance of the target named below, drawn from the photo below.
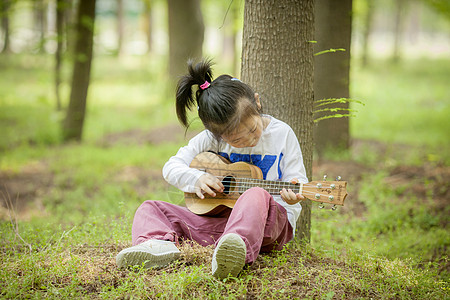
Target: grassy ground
(67, 209)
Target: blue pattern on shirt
(264, 163)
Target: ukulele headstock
(331, 192)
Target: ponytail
(221, 103)
(198, 75)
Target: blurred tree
(367, 29)
(147, 19)
(40, 22)
(5, 9)
(186, 34)
(332, 71)
(277, 60)
(400, 8)
(120, 26)
(73, 123)
(61, 6)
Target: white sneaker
(151, 253)
(229, 256)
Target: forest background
(67, 207)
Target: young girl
(237, 130)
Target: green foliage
(321, 107)
(404, 104)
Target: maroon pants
(256, 217)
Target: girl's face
(248, 132)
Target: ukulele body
(227, 172)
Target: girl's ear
(258, 102)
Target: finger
(208, 190)
(214, 183)
(199, 193)
(294, 181)
(292, 195)
(300, 197)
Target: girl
(236, 130)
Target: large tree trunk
(277, 60)
(332, 71)
(186, 34)
(73, 124)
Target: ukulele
(241, 176)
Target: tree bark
(332, 71)
(73, 123)
(186, 34)
(277, 61)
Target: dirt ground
(23, 192)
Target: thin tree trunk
(398, 29)
(60, 8)
(73, 124)
(367, 29)
(5, 8)
(120, 27)
(148, 24)
(277, 60)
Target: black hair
(221, 105)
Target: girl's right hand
(208, 183)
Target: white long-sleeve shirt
(277, 154)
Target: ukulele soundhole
(229, 183)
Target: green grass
(388, 242)
(407, 103)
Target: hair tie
(205, 85)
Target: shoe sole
(148, 260)
(230, 256)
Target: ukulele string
(272, 187)
(252, 182)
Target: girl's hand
(289, 196)
(208, 183)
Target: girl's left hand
(289, 196)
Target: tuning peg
(334, 207)
(338, 178)
(325, 177)
(321, 205)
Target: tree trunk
(73, 124)
(332, 71)
(147, 19)
(5, 8)
(367, 29)
(120, 27)
(277, 60)
(40, 20)
(186, 33)
(398, 29)
(60, 35)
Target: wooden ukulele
(240, 176)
